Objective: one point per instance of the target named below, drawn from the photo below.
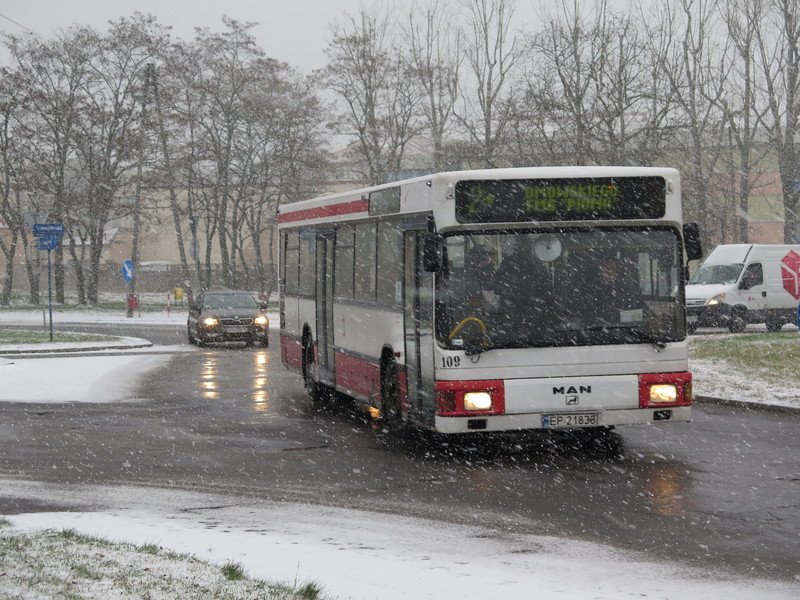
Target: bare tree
(741, 108)
(778, 51)
(53, 74)
(492, 52)
(435, 58)
(372, 79)
(694, 67)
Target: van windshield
(716, 274)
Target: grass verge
(67, 564)
(769, 356)
(31, 336)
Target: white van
(739, 284)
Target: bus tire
(390, 399)
(312, 387)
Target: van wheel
(774, 323)
(737, 322)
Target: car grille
(236, 321)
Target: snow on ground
(28, 317)
(117, 343)
(355, 554)
(717, 379)
(74, 378)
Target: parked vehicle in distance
(739, 284)
(227, 316)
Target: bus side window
(308, 275)
(390, 264)
(291, 263)
(344, 262)
(365, 262)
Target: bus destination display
(608, 198)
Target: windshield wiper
(642, 336)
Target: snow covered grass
(30, 336)
(68, 564)
(759, 368)
(351, 554)
(770, 356)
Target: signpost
(48, 237)
(128, 270)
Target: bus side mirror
(431, 256)
(691, 241)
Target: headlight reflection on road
(260, 396)
(666, 487)
(208, 378)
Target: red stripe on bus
(292, 352)
(358, 375)
(321, 212)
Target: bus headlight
(663, 393)
(477, 401)
(210, 322)
(718, 299)
(261, 321)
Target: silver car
(227, 316)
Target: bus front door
(418, 329)
(324, 294)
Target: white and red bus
(494, 300)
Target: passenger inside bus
(615, 293)
(522, 284)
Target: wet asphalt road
(721, 491)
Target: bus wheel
(311, 386)
(390, 399)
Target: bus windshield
(565, 288)
(716, 274)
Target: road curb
(773, 408)
(73, 349)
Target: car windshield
(716, 274)
(217, 301)
(573, 287)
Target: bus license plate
(571, 420)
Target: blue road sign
(128, 270)
(48, 235)
(43, 229)
(49, 242)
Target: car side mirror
(691, 241)
(263, 305)
(195, 307)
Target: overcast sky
(295, 31)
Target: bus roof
(355, 203)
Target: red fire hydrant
(133, 304)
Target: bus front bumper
(561, 420)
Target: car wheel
(265, 342)
(691, 328)
(192, 339)
(390, 400)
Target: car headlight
(477, 401)
(261, 321)
(210, 322)
(718, 299)
(663, 393)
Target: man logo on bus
(790, 273)
(583, 389)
